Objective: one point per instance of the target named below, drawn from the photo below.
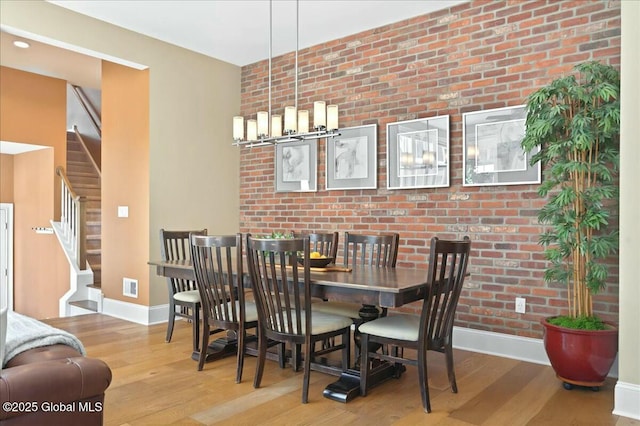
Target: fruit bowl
(318, 262)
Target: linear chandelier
(267, 128)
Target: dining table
(372, 287)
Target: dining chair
(218, 267)
(183, 294)
(432, 329)
(282, 293)
(379, 251)
(325, 243)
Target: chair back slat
(324, 243)
(218, 267)
(281, 286)
(373, 250)
(447, 269)
(174, 245)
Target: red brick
(491, 54)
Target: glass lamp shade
(332, 117)
(252, 130)
(319, 115)
(238, 128)
(276, 125)
(290, 119)
(263, 123)
(303, 121)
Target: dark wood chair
(218, 267)
(184, 299)
(379, 251)
(282, 293)
(433, 329)
(323, 242)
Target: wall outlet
(130, 287)
(521, 303)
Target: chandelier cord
(270, 55)
(296, 64)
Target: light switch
(123, 211)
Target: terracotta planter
(580, 357)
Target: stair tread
(89, 305)
(86, 182)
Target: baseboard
(507, 346)
(146, 315)
(626, 399)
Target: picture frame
(492, 152)
(351, 158)
(296, 166)
(418, 153)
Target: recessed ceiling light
(21, 44)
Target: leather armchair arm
(51, 382)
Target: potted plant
(575, 120)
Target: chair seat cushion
(250, 311)
(345, 309)
(402, 327)
(190, 296)
(324, 323)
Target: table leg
(347, 387)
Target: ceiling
(234, 31)
(237, 31)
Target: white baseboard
(507, 346)
(627, 400)
(146, 315)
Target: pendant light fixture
(268, 128)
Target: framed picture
(297, 166)
(351, 158)
(418, 153)
(492, 151)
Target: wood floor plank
(495, 395)
(527, 401)
(155, 383)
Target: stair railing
(89, 109)
(86, 150)
(72, 220)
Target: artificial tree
(576, 122)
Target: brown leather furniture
(53, 385)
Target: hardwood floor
(158, 383)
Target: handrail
(65, 181)
(86, 150)
(88, 108)
(73, 218)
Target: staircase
(85, 181)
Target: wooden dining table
(383, 287)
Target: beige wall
(629, 364)
(193, 169)
(6, 178)
(125, 164)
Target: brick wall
(475, 56)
